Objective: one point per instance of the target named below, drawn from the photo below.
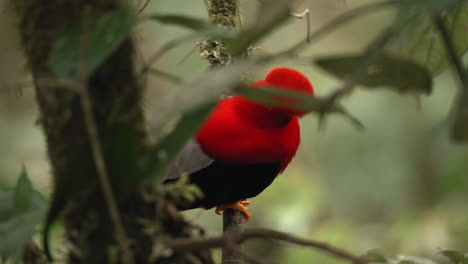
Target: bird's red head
(287, 79)
(243, 131)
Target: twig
(166, 75)
(223, 241)
(371, 54)
(96, 148)
(305, 13)
(451, 51)
(161, 51)
(186, 56)
(336, 23)
(143, 7)
(460, 125)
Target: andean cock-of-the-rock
(242, 146)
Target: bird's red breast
(242, 131)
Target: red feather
(242, 131)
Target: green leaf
(294, 100)
(121, 150)
(23, 194)
(20, 212)
(163, 154)
(192, 23)
(420, 41)
(281, 97)
(105, 34)
(433, 6)
(6, 205)
(456, 257)
(459, 131)
(386, 71)
(16, 231)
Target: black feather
(223, 182)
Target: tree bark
(115, 96)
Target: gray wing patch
(190, 159)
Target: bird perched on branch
(242, 146)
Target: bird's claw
(239, 206)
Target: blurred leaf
(456, 257)
(23, 194)
(105, 35)
(121, 150)
(21, 211)
(166, 75)
(18, 230)
(163, 153)
(459, 131)
(195, 107)
(294, 100)
(180, 20)
(374, 256)
(6, 205)
(212, 85)
(412, 260)
(433, 6)
(281, 97)
(386, 71)
(268, 22)
(420, 41)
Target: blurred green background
(399, 185)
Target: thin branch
(302, 14)
(166, 75)
(227, 238)
(337, 22)
(305, 13)
(451, 51)
(372, 52)
(96, 148)
(186, 56)
(161, 51)
(143, 7)
(459, 127)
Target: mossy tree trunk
(116, 95)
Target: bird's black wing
(190, 160)
(221, 182)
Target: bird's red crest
(287, 79)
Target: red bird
(242, 146)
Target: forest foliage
(425, 38)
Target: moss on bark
(116, 96)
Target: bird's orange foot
(239, 206)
